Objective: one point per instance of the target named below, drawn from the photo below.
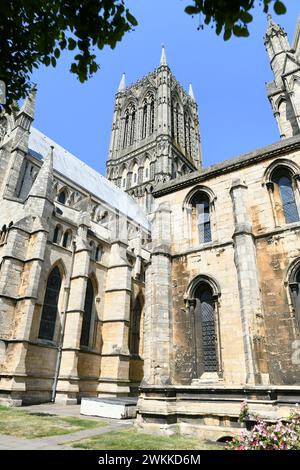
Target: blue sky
(228, 80)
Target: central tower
(155, 134)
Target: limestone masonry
(168, 281)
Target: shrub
(283, 435)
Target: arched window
(201, 216)
(151, 130)
(67, 238)
(144, 120)
(135, 328)
(177, 123)
(62, 197)
(50, 305)
(99, 253)
(146, 169)
(283, 179)
(87, 315)
(135, 174)
(132, 127)
(126, 124)
(187, 133)
(204, 330)
(124, 178)
(172, 121)
(57, 234)
(294, 284)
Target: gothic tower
(155, 134)
(284, 91)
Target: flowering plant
(244, 412)
(283, 435)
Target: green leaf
(279, 8)
(46, 61)
(71, 44)
(190, 10)
(57, 53)
(246, 17)
(132, 20)
(227, 34)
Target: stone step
(112, 407)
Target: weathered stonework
(196, 306)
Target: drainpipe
(63, 325)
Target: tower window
(152, 116)
(177, 123)
(145, 118)
(125, 136)
(132, 127)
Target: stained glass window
(87, 315)
(289, 206)
(206, 314)
(50, 306)
(201, 203)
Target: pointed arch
(51, 302)
(67, 238)
(85, 337)
(280, 179)
(135, 347)
(293, 282)
(204, 293)
(62, 195)
(57, 234)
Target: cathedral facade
(166, 280)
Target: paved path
(59, 442)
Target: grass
(19, 423)
(131, 439)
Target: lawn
(132, 439)
(20, 423)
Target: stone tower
(155, 134)
(284, 91)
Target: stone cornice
(274, 150)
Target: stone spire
(122, 85)
(274, 28)
(28, 106)
(39, 201)
(42, 186)
(191, 92)
(163, 57)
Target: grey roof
(86, 177)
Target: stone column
(158, 312)
(68, 381)
(248, 283)
(114, 377)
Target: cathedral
(166, 281)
